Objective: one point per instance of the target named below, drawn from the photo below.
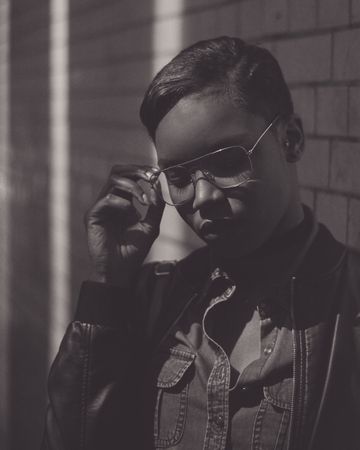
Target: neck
(285, 236)
(289, 221)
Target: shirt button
(221, 373)
(268, 350)
(219, 420)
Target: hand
(118, 238)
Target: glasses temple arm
(263, 134)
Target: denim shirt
(202, 400)
(224, 377)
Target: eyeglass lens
(228, 168)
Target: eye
(178, 176)
(230, 160)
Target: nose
(206, 192)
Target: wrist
(120, 279)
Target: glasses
(225, 168)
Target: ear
(293, 143)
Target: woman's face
(238, 220)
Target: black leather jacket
(94, 383)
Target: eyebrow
(244, 139)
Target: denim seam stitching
(275, 401)
(258, 425)
(282, 430)
(180, 423)
(84, 385)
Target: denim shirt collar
(316, 256)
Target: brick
(97, 21)
(354, 222)
(354, 111)
(227, 20)
(198, 26)
(346, 55)
(134, 75)
(133, 12)
(333, 13)
(304, 105)
(268, 44)
(83, 5)
(199, 4)
(308, 197)
(302, 15)
(305, 59)
(355, 11)
(113, 110)
(130, 12)
(313, 168)
(115, 145)
(345, 163)
(34, 42)
(111, 48)
(331, 112)
(276, 16)
(29, 19)
(331, 210)
(251, 18)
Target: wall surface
(72, 76)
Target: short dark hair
(249, 74)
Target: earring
(287, 143)
(292, 154)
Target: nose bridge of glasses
(205, 189)
(204, 183)
(201, 173)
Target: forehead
(197, 125)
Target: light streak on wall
(167, 42)
(4, 219)
(59, 175)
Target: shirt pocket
(272, 421)
(172, 376)
(280, 394)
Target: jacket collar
(320, 255)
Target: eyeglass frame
(208, 175)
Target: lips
(211, 229)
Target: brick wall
(114, 48)
(317, 43)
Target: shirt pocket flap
(280, 394)
(172, 367)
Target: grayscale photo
(180, 225)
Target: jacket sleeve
(92, 384)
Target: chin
(228, 247)
(236, 245)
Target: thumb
(155, 211)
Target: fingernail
(153, 197)
(145, 199)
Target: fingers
(116, 197)
(109, 207)
(124, 181)
(135, 172)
